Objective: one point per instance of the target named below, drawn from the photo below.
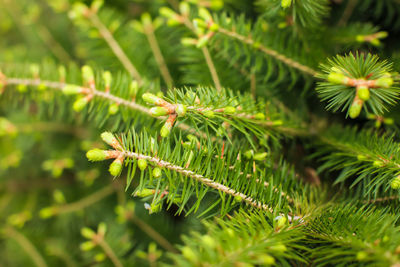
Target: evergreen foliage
(199, 133)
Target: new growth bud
(70, 89)
(116, 167)
(142, 164)
(395, 183)
(87, 74)
(363, 92)
(157, 172)
(158, 111)
(80, 104)
(355, 108)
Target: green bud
(156, 172)
(96, 5)
(22, 88)
(113, 109)
(199, 23)
(188, 253)
(137, 26)
(142, 164)
(361, 255)
(70, 89)
(363, 93)
(378, 123)
(146, 19)
(181, 110)
(378, 164)
(133, 88)
(384, 82)
(158, 111)
(102, 228)
(381, 35)
(86, 246)
(388, 121)
(47, 212)
(375, 42)
(279, 248)
(42, 87)
(173, 22)
(150, 98)
(355, 109)
(165, 130)
(87, 74)
(216, 4)
(249, 154)
(238, 198)
(337, 78)
(395, 183)
(361, 157)
(87, 233)
(107, 78)
(62, 72)
(184, 8)
(100, 257)
(108, 138)
(145, 192)
(266, 259)
(208, 241)
(286, 3)
(115, 168)
(96, 155)
(259, 116)
(188, 41)
(282, 222)
(205, 14)
(360, 38)
(209, 114)
(202, 41)
(230, 110)
(260, 156)
(277, 123)
(80, 104)
(167, 12)
(34, 70)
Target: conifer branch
(270, 52)
(25, 245)
(200, 178)
(211, 67)
(109, 252)
(113, 44)
(148, 29)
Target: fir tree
(199, 133)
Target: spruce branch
(79, 10)
(26, 245)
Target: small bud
(188, 253)
(277, 123)
(34, 68)
(180, 110)
(113, 109)
(168, 13)
(188, 41)
(260, 156)
(216, 4)
(361, 255)
(70, 89)
(87, 74)
(266, 259)
(208, 241)
(80, 104)
(137, 26)
(238, 198)
(384, 82)
(62, 72)
(388, 121)
(165, 131)
(109, 138)
(47, 212)
(337, 78)
(107, 78)
(158, 111)
(202, 41)
(41, 87)
(156, 172)
(96, 5)
(86, 246)
(22, 88)
(395, 183)
(361, 157)
(281, 221)
(115, 168)
(133, 88)
(102, 228)
(146, 19)
(150, 98)
(286, 3)
(209, 114)
(378, 163)
(360, 38)
(96, 155)
(100, 257)
(375, 42)
(145, 192)
(87, 233)
(249, 154)
(205, 14)
(214, 27)
(355, 108)
(142, 164)
(279, 248)
(230, 110)
(184, 8)
(259, 116)
(363, 92)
